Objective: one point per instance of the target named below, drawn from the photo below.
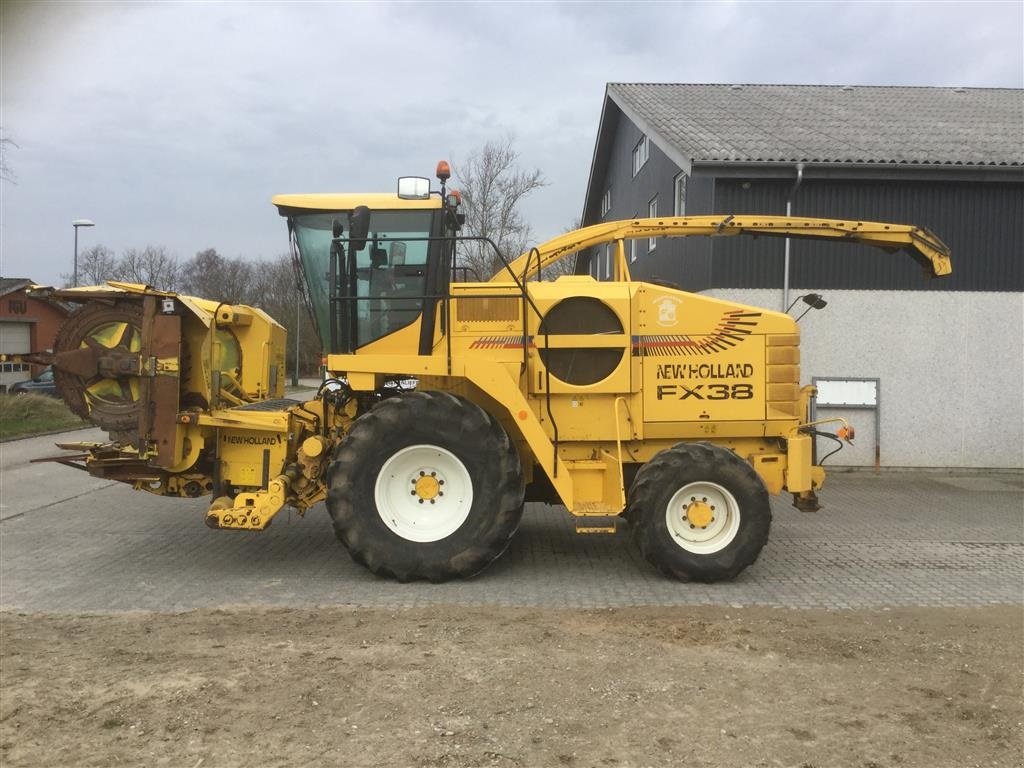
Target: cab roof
(347, 201)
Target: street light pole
(76, 224)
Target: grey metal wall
(982, 222)
(683, 261)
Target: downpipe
(789, 212)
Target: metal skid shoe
(806, 501)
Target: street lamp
(76, 224)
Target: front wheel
(699, 513)
(426, 486)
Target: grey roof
(980, 127)
(11, 284)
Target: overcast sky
(173, 123)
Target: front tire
(425, 486)
(699, 513)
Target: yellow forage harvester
(446, 404)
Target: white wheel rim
(423, 493)
(688, 512)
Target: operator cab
(373, 263)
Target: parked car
(40, 385)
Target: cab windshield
(388, 285)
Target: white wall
(951, 366)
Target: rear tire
(699, 513)
(425, 486)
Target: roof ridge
(951, 87)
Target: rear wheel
(425, 486)
(699, 513)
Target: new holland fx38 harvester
(448, 403)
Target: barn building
(929, 369)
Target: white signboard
(837, 392)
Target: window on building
(640, 154)
(652, 212)
(679, 209)
(606, 201)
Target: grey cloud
(174, 123)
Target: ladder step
(597, 524)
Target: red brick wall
(44, 317)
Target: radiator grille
(491, 310)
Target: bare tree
(6, 145)
(212, 276)
(278, 293)
(97, 265)
(492, 186)
(152, 265)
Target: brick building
(26, 325)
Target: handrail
(618, 444)
(527, 299)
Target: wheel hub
(428, 486)
(699, 513)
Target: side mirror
(358, 227)
(413, 188)
(814, 301)
(337, 230)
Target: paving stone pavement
(892, 539)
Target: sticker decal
(500, 342)
(732, 329)
(667, 310)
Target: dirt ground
(515, 687)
